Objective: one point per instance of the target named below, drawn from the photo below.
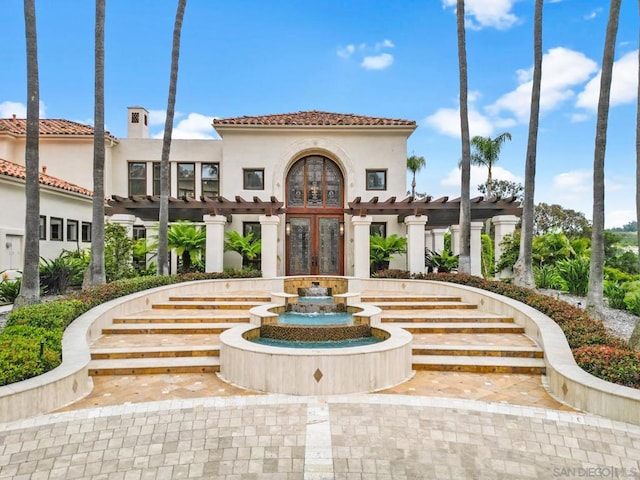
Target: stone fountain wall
(308, 333)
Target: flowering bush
(612, 364)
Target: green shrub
(612, 364)
(57, 274)
(51, 315)
(9, 290)
(615, 292)
(546, 276)
(118, 253)
(574, 273)
(488, 257)
(632, 297)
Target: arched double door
(315, 229)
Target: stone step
(426, 318)
(149, 366)
(165, 351)
(453, 327)
(478, 351)
(222, 305)
(167, 328)
(440, 305)
(408, 298)
(531, 366)
(217, 318)
(221, 298)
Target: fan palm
(414, 165)
(486, 152)
(188, 241)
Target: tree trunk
(163, 251)
(97, 270)
(596, 269)
(464, 265)
(523, 269)
(30, 287)
(635, 336)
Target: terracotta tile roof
(314, 118)
(48, 126)
(11, 169)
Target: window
(135, 117)
(186, 180)
(86, 232)
(137, 178)
(253, 178)
(379, 228)
(156, 178)
(210, 180)
(145, 119)
(55, 229)
(139, 259)
(72, 230)
(252, 227)
(376, 179)
(43, 227)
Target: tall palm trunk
(30, 288)
(523, 269)
(464, 265)
(596, 269)
(163, 250)
(634, 341)
(97, 270)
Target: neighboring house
(65, 216)
(314, 184)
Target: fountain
(312, 355)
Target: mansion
(314, 186)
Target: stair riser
(220, 299)
(427, 307)
(478, 353)
(176, 354)
(162, 331)
(480, 369)
(446, 320)
(152, 370)
(479, 329)
(195, 306)
(410, 299)
(146, 321)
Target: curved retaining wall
(566, 380)
(70, 381)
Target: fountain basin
(315, 371)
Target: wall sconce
(341, 229)
(287, 229)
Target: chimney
(44, 169)
(138, 123)
(14, 116)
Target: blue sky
(381, 58)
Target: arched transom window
(314, 182)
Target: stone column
(215, 242)
(476, 248)
(151, 238)
(361, 263)
(269, 234)
(503, 225)
(415, 242)
(455, 239)
(428, 239)
(125, 220)
(438, 239)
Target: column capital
(505, 220)
(416, 220)
(269, 219)
(358, 220)
(477, 225)
(122, 218)
(214, 219)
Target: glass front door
(314, 246)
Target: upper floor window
(156, 179)
(186, 180)
(314, 182)
(72, 230)
(55, 225)
(137, 178)
(210, 179)
(43, 227)
(253, 178)
(376, 179)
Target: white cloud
(619, 218)
(562, 69)
(592, 14)
(378, 62)
(8, 109)
(487, 13)
(384, 44)
(346, 52)
(624, 84)
(157, 117)
(573, 182)
(478, 177)
(194, 126)
(447, 122)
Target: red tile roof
(11, 169)
(314, 118)
(48, 126)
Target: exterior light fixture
(287, 229)
(341, 229)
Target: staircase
(181, 335)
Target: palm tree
(163, 250)
(464, 265)
(96, 269)
(414, 165)
(596, 270)
(486, 152)
(188, 241)
(30, 286)
(523, 269)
